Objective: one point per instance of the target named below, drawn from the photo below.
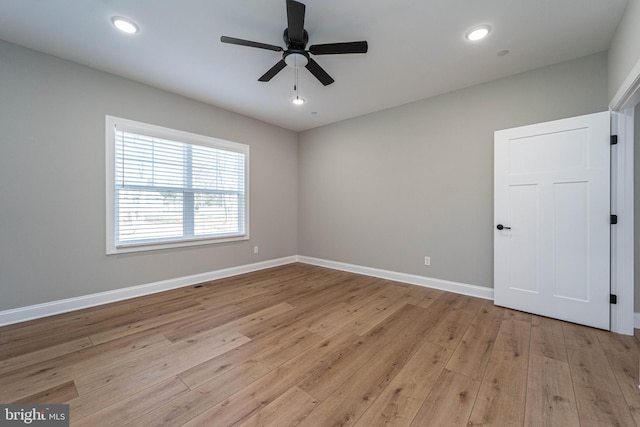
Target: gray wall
(382, 190)
(624, 52)
(386, 189)
(52, 181)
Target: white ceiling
(416, 47)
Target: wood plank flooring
(309, 346)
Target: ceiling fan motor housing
(294, 44)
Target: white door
(552, 219)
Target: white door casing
(552, 188)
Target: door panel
(549, 152)
(552, 189)
(523, 273)
(571, 230)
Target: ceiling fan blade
(319, 73)
(295, 21)
(233, 40)
(339, 48)
(273, 71)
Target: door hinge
(613, 299)
(614, 139)
(614, 219)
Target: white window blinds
(168, 189)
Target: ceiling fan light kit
(296, 55)
(297, 60)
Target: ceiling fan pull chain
(295, 85)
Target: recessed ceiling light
(298, 101)
(477, 33)
(125, 25)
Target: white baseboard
(22, 314)
(636, 320)
(428, 282)
(37, 311)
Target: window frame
(112, 123)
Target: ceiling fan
(296, 38)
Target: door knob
(502, 227)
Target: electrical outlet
(255, 250)
(427, 260)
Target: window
(167, 188)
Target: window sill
(153, 246)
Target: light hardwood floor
(309, 346)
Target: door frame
(622, 199)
